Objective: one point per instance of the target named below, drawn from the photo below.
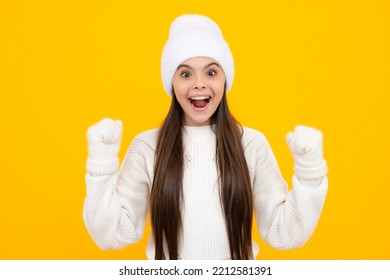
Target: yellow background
(64, 65)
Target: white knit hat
(194, 36)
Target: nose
(199, 83)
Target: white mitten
(104, 140)
(305, 144)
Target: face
(199, 87)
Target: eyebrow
(207, 66)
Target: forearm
(113, 218)
(102, 211)
(288, 219)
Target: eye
(211, 73)
(185, 74)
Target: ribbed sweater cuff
(102, 167)
(311, 172)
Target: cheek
(179, 88)
(219, 87)
(181, 97)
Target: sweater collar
(197, 133)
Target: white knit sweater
(116, 204)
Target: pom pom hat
(194, 36)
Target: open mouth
(200, 101)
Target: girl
(201, 175)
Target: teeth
(200, 98)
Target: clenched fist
(305, 144)
(104, 140)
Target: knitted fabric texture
(116, 205)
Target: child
(201, 175)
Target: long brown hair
(235, 188)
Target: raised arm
(116, 203)
(287, 219)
